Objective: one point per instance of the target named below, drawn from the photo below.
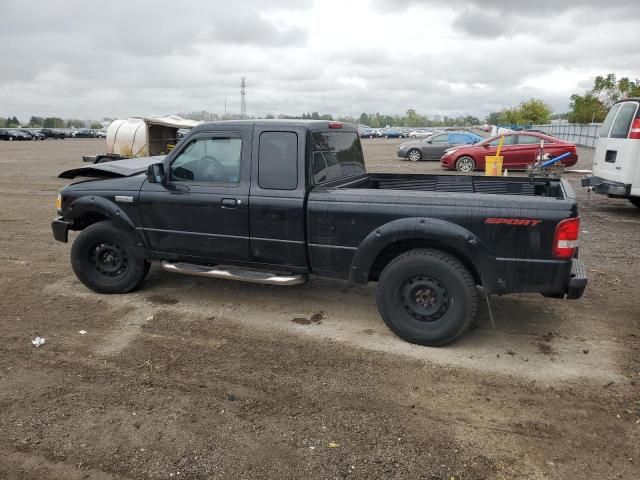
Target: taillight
(635, 129)
(565, 240)
(335, 125)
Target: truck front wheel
(104, 259)
(427, 296)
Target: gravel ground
(200, 378)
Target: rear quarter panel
(339, 220)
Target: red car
(519, 150)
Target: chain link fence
(585, 134)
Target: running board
(234, 273)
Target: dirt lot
(199, 378)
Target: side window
(444, 138)
(458, 139)
(209, 160)
(508, 140)
(622, 123)
(529, 140)
(606, 125)
(278, 161)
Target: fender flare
(451, 236)
(96, 204)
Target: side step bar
(234, 273)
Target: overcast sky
(90, 59)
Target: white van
(616, 163)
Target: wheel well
(87, 219)
(397, 248)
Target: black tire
(427, 296)
(415, 155)
(635, 201)
(465, 164)
(105, 259)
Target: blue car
(394, 133)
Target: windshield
(336, 155)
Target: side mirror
(155, 173)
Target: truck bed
(539, 187)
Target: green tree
(12, 122)
(535, 112)
(586, 108)
(96, 125)
(510, 116)
(53, 122)
(493, 118)
(608, 89)
(75, 123)
(36, 122)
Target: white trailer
(142, 137)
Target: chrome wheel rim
(465, 165)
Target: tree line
(49, 122)
(590, 107)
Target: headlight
(450, 151)
(59, 204)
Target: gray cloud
(454, 57)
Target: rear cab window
(278, 161)
(335, 155)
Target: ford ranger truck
(274, 201)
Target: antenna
(243, 98)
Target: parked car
(53, 133)
(296, 199)
(420, 133)
(102, 133)
(35, 135)
(22, 135)
(84, 133)
(366, 133)
(7, 134)
(616, 161)
(432, 148)
(519, 150)
(393, 133)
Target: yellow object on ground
(493, 163)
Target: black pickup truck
(274, 201)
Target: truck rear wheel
(635, 201)
(104, 259)
(427, 296)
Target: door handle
(229, 203)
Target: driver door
(203, 211)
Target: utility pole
(243, 98)
(225, 105)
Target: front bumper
(447, 161)
(60, 228)
(606, 187)
(578, 281)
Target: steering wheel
(213, 171)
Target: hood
(118, 168)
